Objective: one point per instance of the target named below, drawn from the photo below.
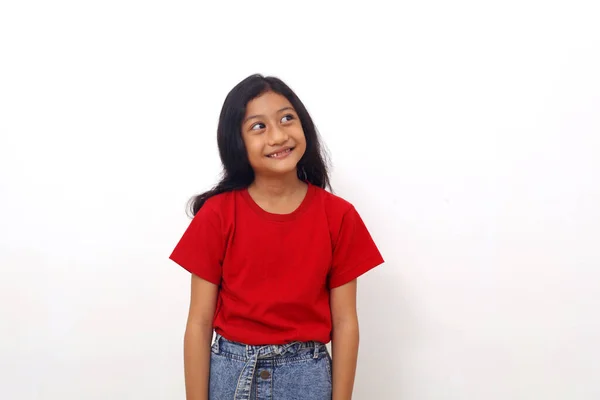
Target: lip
(284, 155)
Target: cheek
(300, 140)
(254, 148)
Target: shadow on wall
(388, 328)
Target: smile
(281, 154)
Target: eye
(287, 118)
(258, 126)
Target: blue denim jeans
(295, 371)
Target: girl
(274, 260)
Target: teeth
(280, 153)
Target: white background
(467, 134)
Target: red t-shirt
(275, 271)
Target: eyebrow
(260, 115)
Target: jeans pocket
(328, 363)
(223, 376)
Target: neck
(277, 186)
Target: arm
(345, 339)
(197, 339)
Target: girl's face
(273, 135)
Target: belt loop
(217, 340)
(316, 355)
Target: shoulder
(217, 207)
(217, 201)
(335, 206)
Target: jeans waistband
(245, 351)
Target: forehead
(267, 103)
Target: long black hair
(237, 172)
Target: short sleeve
(354, 251)
(201, 248)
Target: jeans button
(265, 374)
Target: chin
(282, 169)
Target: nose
(277, 135)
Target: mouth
(281, 153)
